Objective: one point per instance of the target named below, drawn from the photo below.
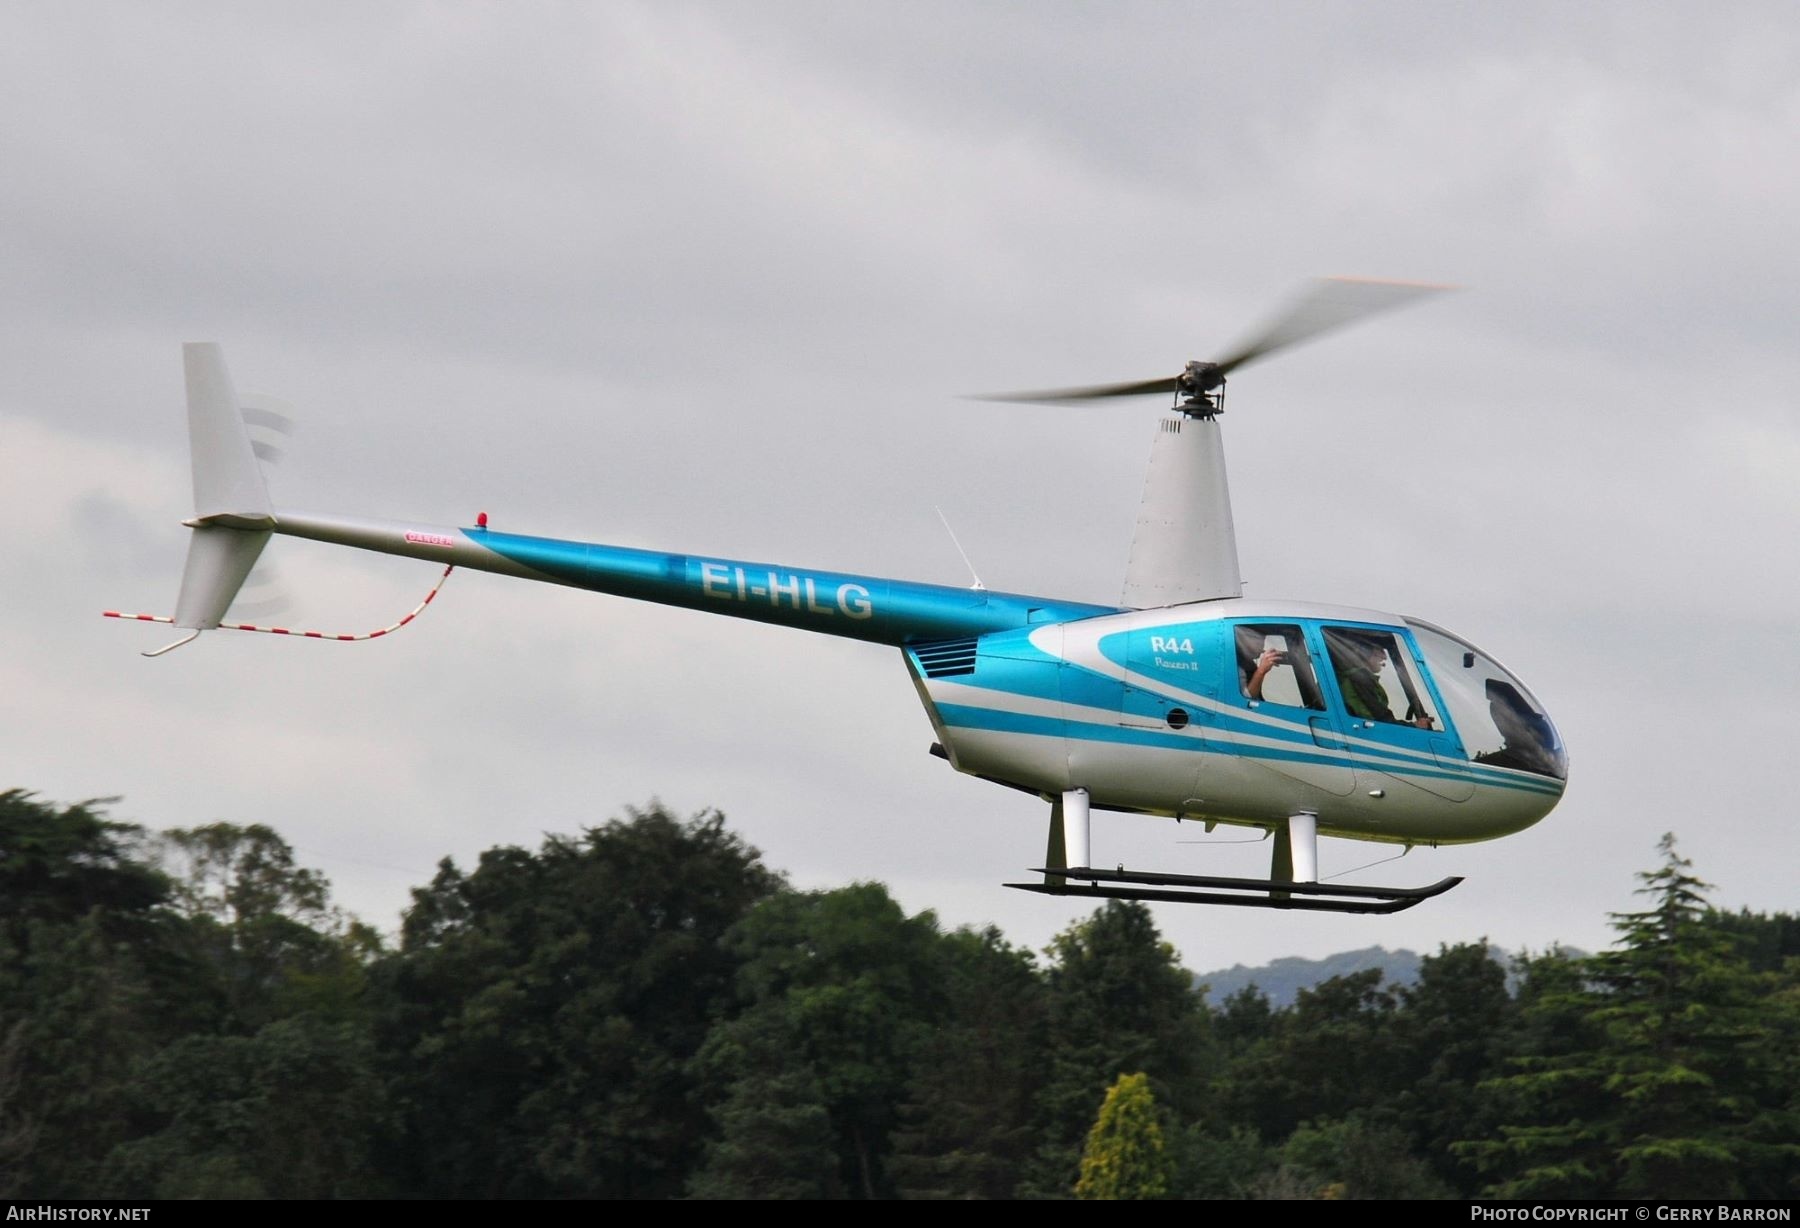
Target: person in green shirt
(1358, 663)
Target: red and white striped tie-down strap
(341, 637)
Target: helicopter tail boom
(234, 519)
(833, 603)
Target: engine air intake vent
(946, 659)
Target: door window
(1274, 667)
(1376, 678)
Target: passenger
(1269, 659)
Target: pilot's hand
(1268, 661)
(1424, 722)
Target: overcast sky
(711, 277)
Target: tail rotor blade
(270, 424)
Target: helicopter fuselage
(1159, 712)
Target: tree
(58, 865)
(1452, 1032)
(241, 876)
(1332, 1055)
(94, 977)
(1674, 1087)
(264, 924)
(966, 1127)
(775, 1134)
(291, 1112)
(542, 1015)
(854, 982)
(1243, 1019)
(1356, 1158)
(1125, 1157)
(1767, 940)
(78, 1013)
(18, 1127)
(1212, 1160)
(1119, 1001)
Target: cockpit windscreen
(1501, 724)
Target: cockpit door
(1392, 718)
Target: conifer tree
(1125, 1157)
(1670, 1092)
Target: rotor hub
(1200, 390)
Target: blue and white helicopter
(1187, 700)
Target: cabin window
(1274, 666)
(1376, 678)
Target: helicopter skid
(1243, 892)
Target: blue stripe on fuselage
(1294, 743)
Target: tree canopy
(1660, 1069)
(644, 1009)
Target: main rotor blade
(1327, 304)
(1093, 392)
(1330, 303)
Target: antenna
(978, 586)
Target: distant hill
(1282, 980)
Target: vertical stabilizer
(227, 481)
(1185, 548)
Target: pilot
(1358, 663)
(1522, 732)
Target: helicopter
(1187, 700)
